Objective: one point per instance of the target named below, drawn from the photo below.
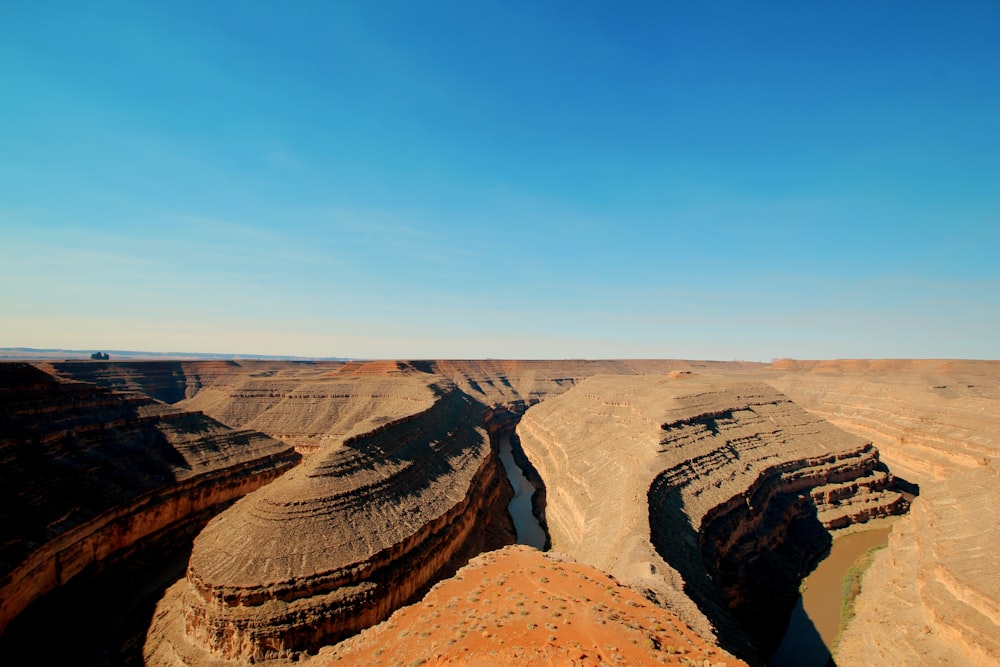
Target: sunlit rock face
(88, 472)
(713, 495)
(703, 485)
(338, 544)
(933, 595)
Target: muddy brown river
(814, 623)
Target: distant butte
(706, 489)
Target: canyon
(88, 472)
(937, 423)
(342, 492)
(713, 495)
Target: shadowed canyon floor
(707, 488)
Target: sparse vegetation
(851, 588)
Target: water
(816, 618)
(528, 530)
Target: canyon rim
(326, 512)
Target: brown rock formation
(700, 484)
(313, 408)
(525, 607)
(708, 494)
(87, 472)
(279, 398)
(932, 596)
(166, 381)
(339, 543)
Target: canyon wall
(713, 496)
(339, 543)
(88, 472)
(933, 595)
(166, 381)
(703, 485)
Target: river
(816, 618)
(528, 530)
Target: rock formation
(338, 544)
(720, 489)
(312, 404)
(86, 473)
(166, 381)
(932, 596)
(702, 485)
(524, 607)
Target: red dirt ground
(521, 606)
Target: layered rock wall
(338, 544)
(87, 473)
(704, 485)
(933, 595)
(166, 381)
(928, 418)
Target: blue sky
(511, 179)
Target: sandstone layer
(521, 606)
(712, 495)
(332, 411)
(339, 543)
(932, 596)
(311, 404)
(86, 473)
(692, 482)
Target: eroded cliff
(339, 543)
(703, 488)
(88, 472)
(721, 489)
(933, 595)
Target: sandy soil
(522, 606)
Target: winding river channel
(814, 624)
(528, 530)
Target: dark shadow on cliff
(509, 416)
(72, 451)
(802, 645)
(100, 618)
(749, 588)
(165, 381)
(910, 490)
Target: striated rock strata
(721, 489)
(86, 473)
(314, 403)
(933, 595)
(339, 543)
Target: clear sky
(502, 179)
